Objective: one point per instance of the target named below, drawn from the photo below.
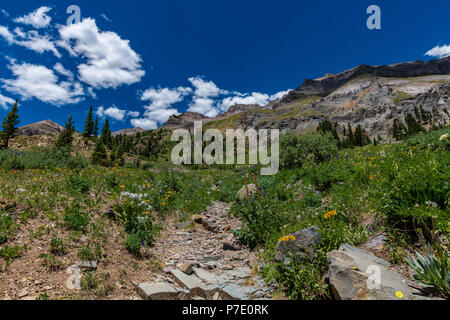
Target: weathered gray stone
(376, 243)
(156, 291)
(208, 277)
(242, 193)
(236, 292)
(349, 271)
(187, 267)
(298, 245)
(191, 282)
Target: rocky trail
(202, 260)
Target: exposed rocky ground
(202, 260)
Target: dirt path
(202, 260)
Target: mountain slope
(368, 96)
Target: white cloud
(112, 112)
(35, 81)
(205, 89)
(134, 114)
(5, 33)
(204, 106)
(58, 67)
(279, 95)
(34, 41)
(144, 123)
(254, 98)
(439, 51)
(5, 13)
(105, 17)
(110, 62)
(5, 102)
(160, 107)
(38, 18)
(30, 39)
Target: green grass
(404, 186)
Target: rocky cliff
(370, 96)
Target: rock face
(43, 127)
(298, 245)
(128, 132)
(184, 120)
(369, 96)
(357, 274)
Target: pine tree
(95, 133)
(99, 156)
(65, 138)
(89, 126)
(10, 123)
(106, 134)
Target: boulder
(242, 193)
(298, 245)
(156, 291)
(357, 274)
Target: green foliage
(97, 284)
(10, 254)
(78, 184)
(6, 227)
(133, 243)
(89, 127)
(106, 136)
(47, 158)
(75, 219)
(51, 262)
(9, 124)
(99, 156)
(432, 270)
(296, 149)
(261, 218)
(90, 252)
(65, 138)
(57, 246)
(401, 96)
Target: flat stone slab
(357, 274)
(156, 291)
(208, 277)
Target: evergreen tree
(65, 138)
(89, 126)
(99, 156)
(106, 134)
(10, 123)
(95, 133)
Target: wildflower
(122, 187)
(399, 294)
(372, 177)
(329, 214)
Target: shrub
(432, 270)
(295, 149)
(6, 222)
(50, 262)
(261, 219)
(88, 253)
(57, 246)
(75, 218)
(10, 254)
(78, 184)
(133, 243)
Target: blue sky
(138, 63)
